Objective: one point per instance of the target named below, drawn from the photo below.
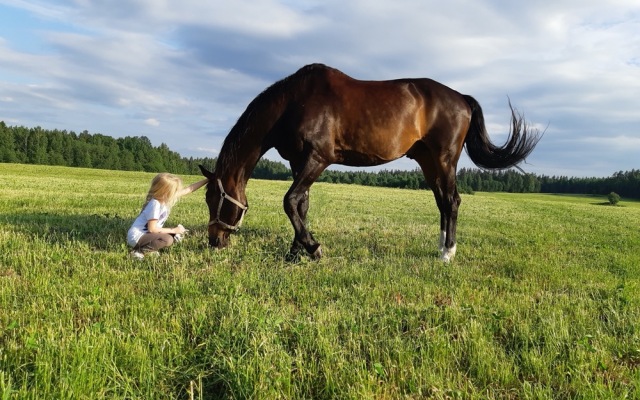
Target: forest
(19, 144)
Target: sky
(181, 73)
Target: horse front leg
(297, 247)
(294, 203)
(296, 206)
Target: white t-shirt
(153, 210)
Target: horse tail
(520, 143)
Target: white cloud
(571, 64)
(209, 150)
(618, 144)
(152, 122)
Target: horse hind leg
(451, 203)
(443, 235)
(438, 195)
(442, 182)
(443, 218)
(448, 222)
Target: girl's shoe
(136, 255)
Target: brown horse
(319, 116)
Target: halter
(217, 220)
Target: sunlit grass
(542, 300)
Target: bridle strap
(223, 196)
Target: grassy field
(541, 302)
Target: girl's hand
(152, 226)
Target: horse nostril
(214, 241)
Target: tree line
(626, 184)
(20, 144)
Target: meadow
(541, 302)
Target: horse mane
(275, 96)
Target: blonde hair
(164, 188)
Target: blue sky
(181, 73)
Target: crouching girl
(148, 235)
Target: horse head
(226, 212)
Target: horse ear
(206, 172)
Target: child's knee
(169, 240)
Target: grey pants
(153, 242)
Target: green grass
(541, 302)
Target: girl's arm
(193, 187)
(152, 227)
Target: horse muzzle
(218, 242)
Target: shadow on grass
(100, 232)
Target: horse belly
(375, 148)
(358, 159)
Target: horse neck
(248, 139)
(236, 164)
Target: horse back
(357, 122)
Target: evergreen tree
(19, 144)
(7, 145)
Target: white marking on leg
(448, 254)
(443, 239)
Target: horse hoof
(316, 255)
(292, 256)
(448, 254)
